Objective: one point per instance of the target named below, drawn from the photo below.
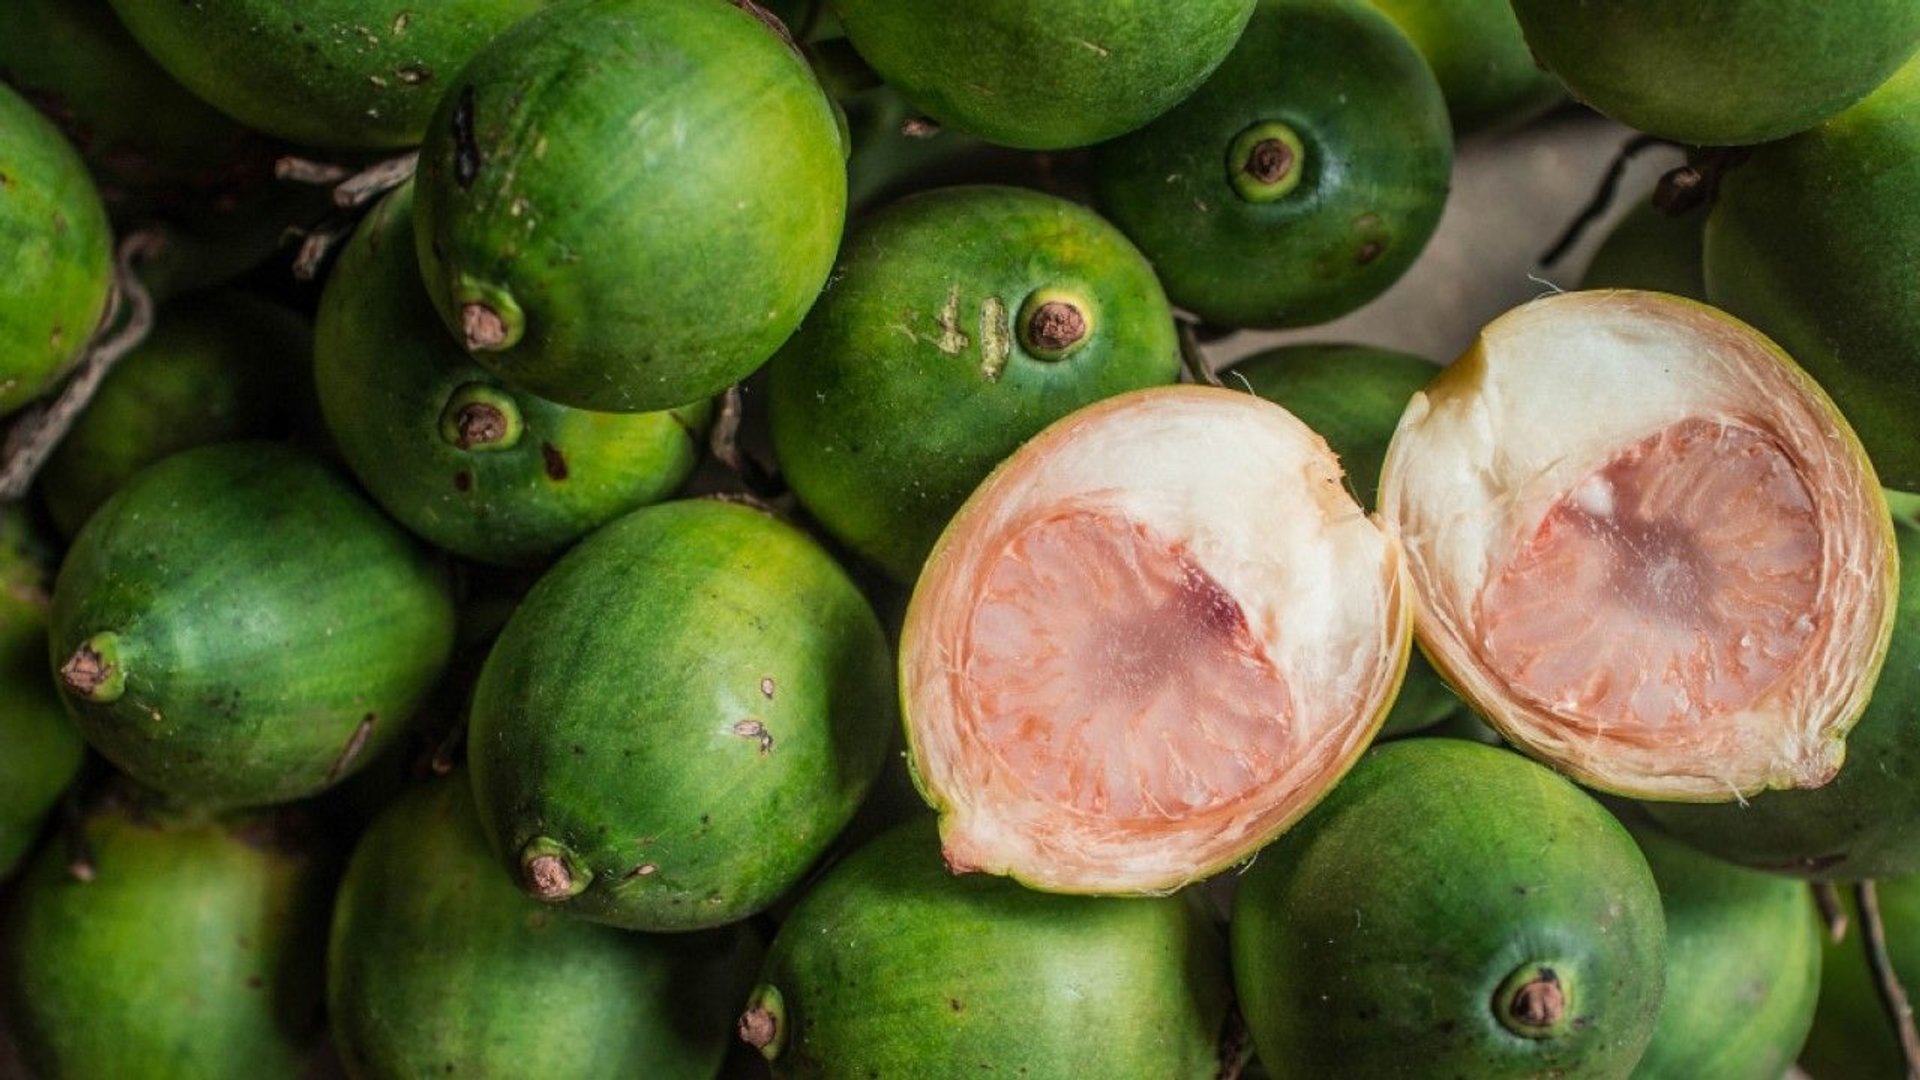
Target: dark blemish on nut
(645, 869)
(463, 481)
(754, 729)
(766, 688)
(1368, 252)
(556, 461)
(466, 156)
(955, 1004)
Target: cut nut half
(1148, 643)
(1646, 546)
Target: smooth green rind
(387, 373)
(1816, 241)
(438, 966)
(1376, 932)
(56, 254)
(1743, 968)
(212, 370)
(149, 142)
(692, 703)
(649, 193)
(1853, 1036)
(1352, 396)
(348, 74)
(1865, 822)
(1477, 52)
(891, 966)
(909, 380)
(1652, 250)
(1721, 72)
(276, 630)
(1044, 76)
(193, 954)
(1379, 153)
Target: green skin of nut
(1477, 52)
(148, 141)
(343, 74)
(1861, 824)
(891, 966)
(1378, 930)
(911, 378)
(194, 954)
(213, 370)
(1721, 72)
(684, 712)
(1650, 249)
(43, 751)
(56, 254)
(1044, 76)
(1743, 967)
(1852, 1035)
(388, 376)
(650, 278)
(1815, 241)
(274, 631)
(435, 958)
(1374, 176)
(1353, 396)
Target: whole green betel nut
(56, 254)
(959, 324)
(679, 719)
(352, 74)
(628, 205)
(1454, 909)
(1300, 181)
(467, 462)
(1721, 72)
(238, 626)
(1044, 76)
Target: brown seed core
(483, 327)
(758, 1026)
(1056, 325)
(1270, 161)
(1540, 1003)
(85, 671)
(550, 878)
(479, 424)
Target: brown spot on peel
(754, 729)
(556, 462)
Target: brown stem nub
(1832, 913)
(1541, 1002)
(32, 438)
(549, 877)
(1056, 325)
(758, 1027)
(85, 671)
(479, 424)
(482, 326)
(1893, 996)
(1270, 161)
(1692, 186)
